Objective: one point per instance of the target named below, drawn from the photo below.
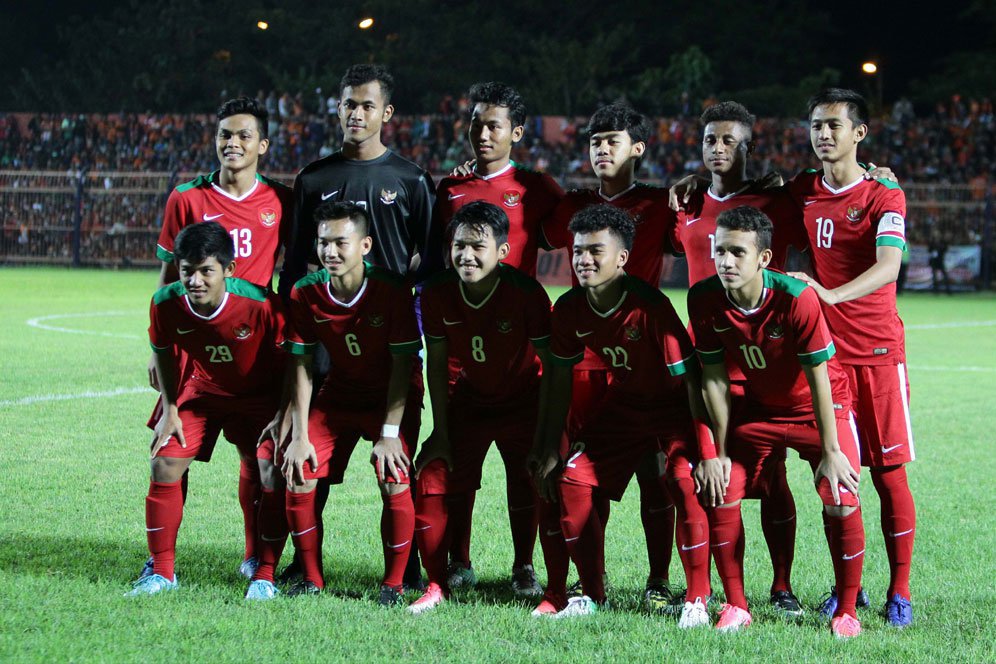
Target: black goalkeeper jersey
(397, 194)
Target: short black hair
(363, 74)
(748, 219)
(595, 218)
(729, 111)
(200, 241)
(620, 117)
(494, 93)
(247, 106)
(331, 210)
(478, 216)
(857, 107)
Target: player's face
(598, 258)
(725, 146)
(362, 112)
(833, 134)
(738, 260)
(475, 253)
(611, 152)
(205, 281)
(238, 142)
(341, 246)
(491, 133)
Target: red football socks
(272, 532)
(431, 515)
(163, 513)
(250, 490)
(304, 529)
(584, 535)
(847, 547)
(461, 514)
(522, 516)
(657, 515)
(397, 528)
(898, 524)
(778, 523)
(693, 539)
(726, 533)
(555, 555)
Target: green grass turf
(72, 530)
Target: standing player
(856, 229)
(527, 198)
(230, 331)
(652, 394)
(727, 144)
(796, 395)
(364, 316)
(495, 322)
(618, 139)
(396, 194)
(256, 212)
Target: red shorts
(682, 453)
(334, 431)
(241, 419)
(760, 486)
(882, 412)
(757, 447)
(472, 430)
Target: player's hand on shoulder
(464, 169)
(837, 469)
(388, 457)
(826, 295)
(681, 191)
(297, 454)
(712, 477)
(770, 180)
(880, 173)
(169, 425)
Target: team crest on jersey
(268, 217)
(774, 331)
(632, 333)
(504, 325)
(388, 197)
(376, 320)
(511, 198)
(242, 332)
(854, 213)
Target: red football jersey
(695, 228)
(233, 352)
(769, 344)
(255, 221)
(493, 341)
(361, 336)
(844, 227)
(648, 207)
(527, 197)
(644, 346)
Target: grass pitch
(73, 451)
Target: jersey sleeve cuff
(406, 348)
(157, 349)
(299, 348)
(566, 361)
(890, 241)
(540, 342)
(680, 367)
(430, 339)
(710, 356)
(163, 254)
(818, 356)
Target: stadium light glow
(262, 25)
(869, 67)
(366, 23)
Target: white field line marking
(945, 326)
(958, 369)
(39, 323)
(89, 394)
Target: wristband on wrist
(390, 431)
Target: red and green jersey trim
(890, 241)
(680, 367)
(711, 356)
(297, 348)
(540, 342)
(405, 348)
(566, 361)
(817, 357)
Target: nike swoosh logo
(451, 322)
(179, 331)
(552, 533)
(329, 195)
(398, 546)
(905, 532)
(453, 197)
(271, 539)
(886, 450)
(847, 557)
(207, 217)
(689, 222)
(583, 334)
(152, 530)
(303, 532)
(716, 546)
(721, 329)
(694, 546)
(422, 528)
(321, 320)
(808, 203)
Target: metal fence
(112, 219)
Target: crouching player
(495, 322)
(653, 390)
(230, 331)
(796, 395)
(365, 318)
